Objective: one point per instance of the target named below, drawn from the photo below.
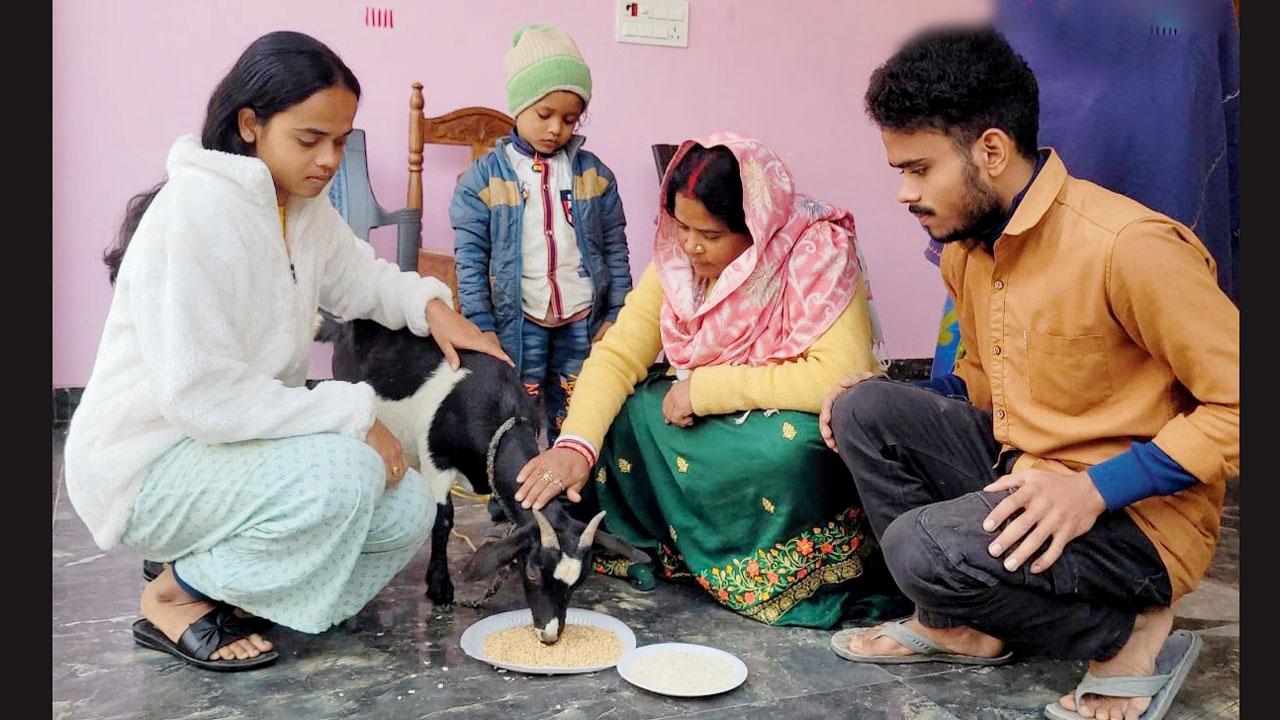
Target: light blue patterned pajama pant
(297, 530)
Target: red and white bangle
(579, 446)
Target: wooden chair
(475, 127)
(352, 194)
(662, 155)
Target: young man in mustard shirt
(1064, 486)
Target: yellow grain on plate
(579, 646)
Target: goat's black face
(552, 562)
(550, 577)
(553, 568)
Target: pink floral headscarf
(776, 298)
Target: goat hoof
(441, 594)
(442, 599)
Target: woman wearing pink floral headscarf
(759, 301)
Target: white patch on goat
(552, 629)
(410, 421)
(568, 570)
(441, 481)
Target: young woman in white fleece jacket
(196, 442)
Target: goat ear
(618, 546)
(495, 554)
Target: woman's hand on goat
(677, 406)
(452, 332)
(829, 402)
(389, 449)
(552, 472)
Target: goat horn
(548, 533)
(589, 534)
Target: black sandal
(251, 623)
(201, 640)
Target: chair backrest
(662, 154)
(475, 127)
(351, 192)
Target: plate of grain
(591, 642)
(682, 669)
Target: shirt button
(999, 414)
(995, 350)
(999, 284)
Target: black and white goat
(478, 426)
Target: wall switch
(653, 22)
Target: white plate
(473, 637)
(627, 663)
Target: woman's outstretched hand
(554, 471)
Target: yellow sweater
(623, 356)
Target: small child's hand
(604, 328)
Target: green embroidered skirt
(758, 512)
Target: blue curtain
(1143, 98)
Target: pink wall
(130, 76)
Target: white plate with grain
(682, 669)
(591, 642)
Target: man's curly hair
(959, 81)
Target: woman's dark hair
(276, 72)
(959, 81)
(710, 176)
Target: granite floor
(400, 659)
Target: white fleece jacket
(208, 336)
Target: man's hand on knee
(824, 417)
(1058, 507)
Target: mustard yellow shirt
(1094, 322)
(622, 358)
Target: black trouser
(920, 461)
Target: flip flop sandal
(925, 649)
(251, 623)
(201, 640)
(1176, 657)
